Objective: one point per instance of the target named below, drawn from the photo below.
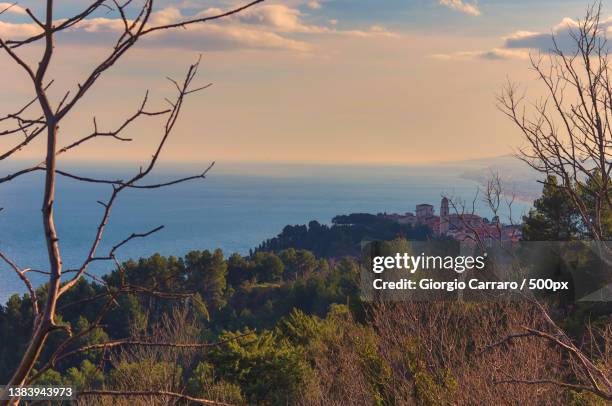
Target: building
(408, 218)
(424, 211)
(444, 216)
(460, 226)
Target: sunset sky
(337, 81)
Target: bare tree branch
(48, 123)
(579, 150)
(22, 275)
(158, 393)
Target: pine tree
(553, 217)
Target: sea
(235, 208)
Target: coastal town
(459, 226)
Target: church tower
(444, 219)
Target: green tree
(298, 263)
(204, 383)
(206, 273)
(268, 267)
(238, 269)
(87, 375)
(553, 218)
(269, 369)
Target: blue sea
(235, 208)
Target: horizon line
(95, 163)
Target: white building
(424, 211)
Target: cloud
(372, 32)
(199, 37)
(171, 14)
(272, 26)
(315, 5)
(460, 5)
(561, 32)
(282, 18)
(16, 31)
(12, 8)
(219, 38)
(379, 30)
(277, 17)
(492, 54)
(518, 44)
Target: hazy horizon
(83, 162)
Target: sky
(300, 81)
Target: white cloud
(277, 17)
(520, 43)
(199, 37)
(460, 5)
(373, 32)
(12, 8)
(562, 32)
(16, 31)
(492, 54)
(272, 26)
(283, 19)
(315, 5)
(170, 15)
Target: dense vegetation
(292, 329)
(237, 294)
(344, 236)
(556, 218)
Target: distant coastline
(229, 211)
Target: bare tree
(496, 197)
(165, 386)
(46, 124)
(589, 377)
(434, 350)
(590, 369)
(568, 133)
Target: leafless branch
(48, 124)
(568, 134)
(143, 394)
(22, 275)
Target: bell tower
(444, 219)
